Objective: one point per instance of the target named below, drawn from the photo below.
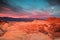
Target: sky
(30, 8)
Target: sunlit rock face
(3, 27)
(35, 30)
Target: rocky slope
(34, 30)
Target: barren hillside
(35, 30)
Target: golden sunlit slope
(35, 30)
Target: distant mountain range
(28, 19)
(18, 19)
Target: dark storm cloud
(5, 4)
(53, 2)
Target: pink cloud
(33, 14)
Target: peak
(53, 19)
